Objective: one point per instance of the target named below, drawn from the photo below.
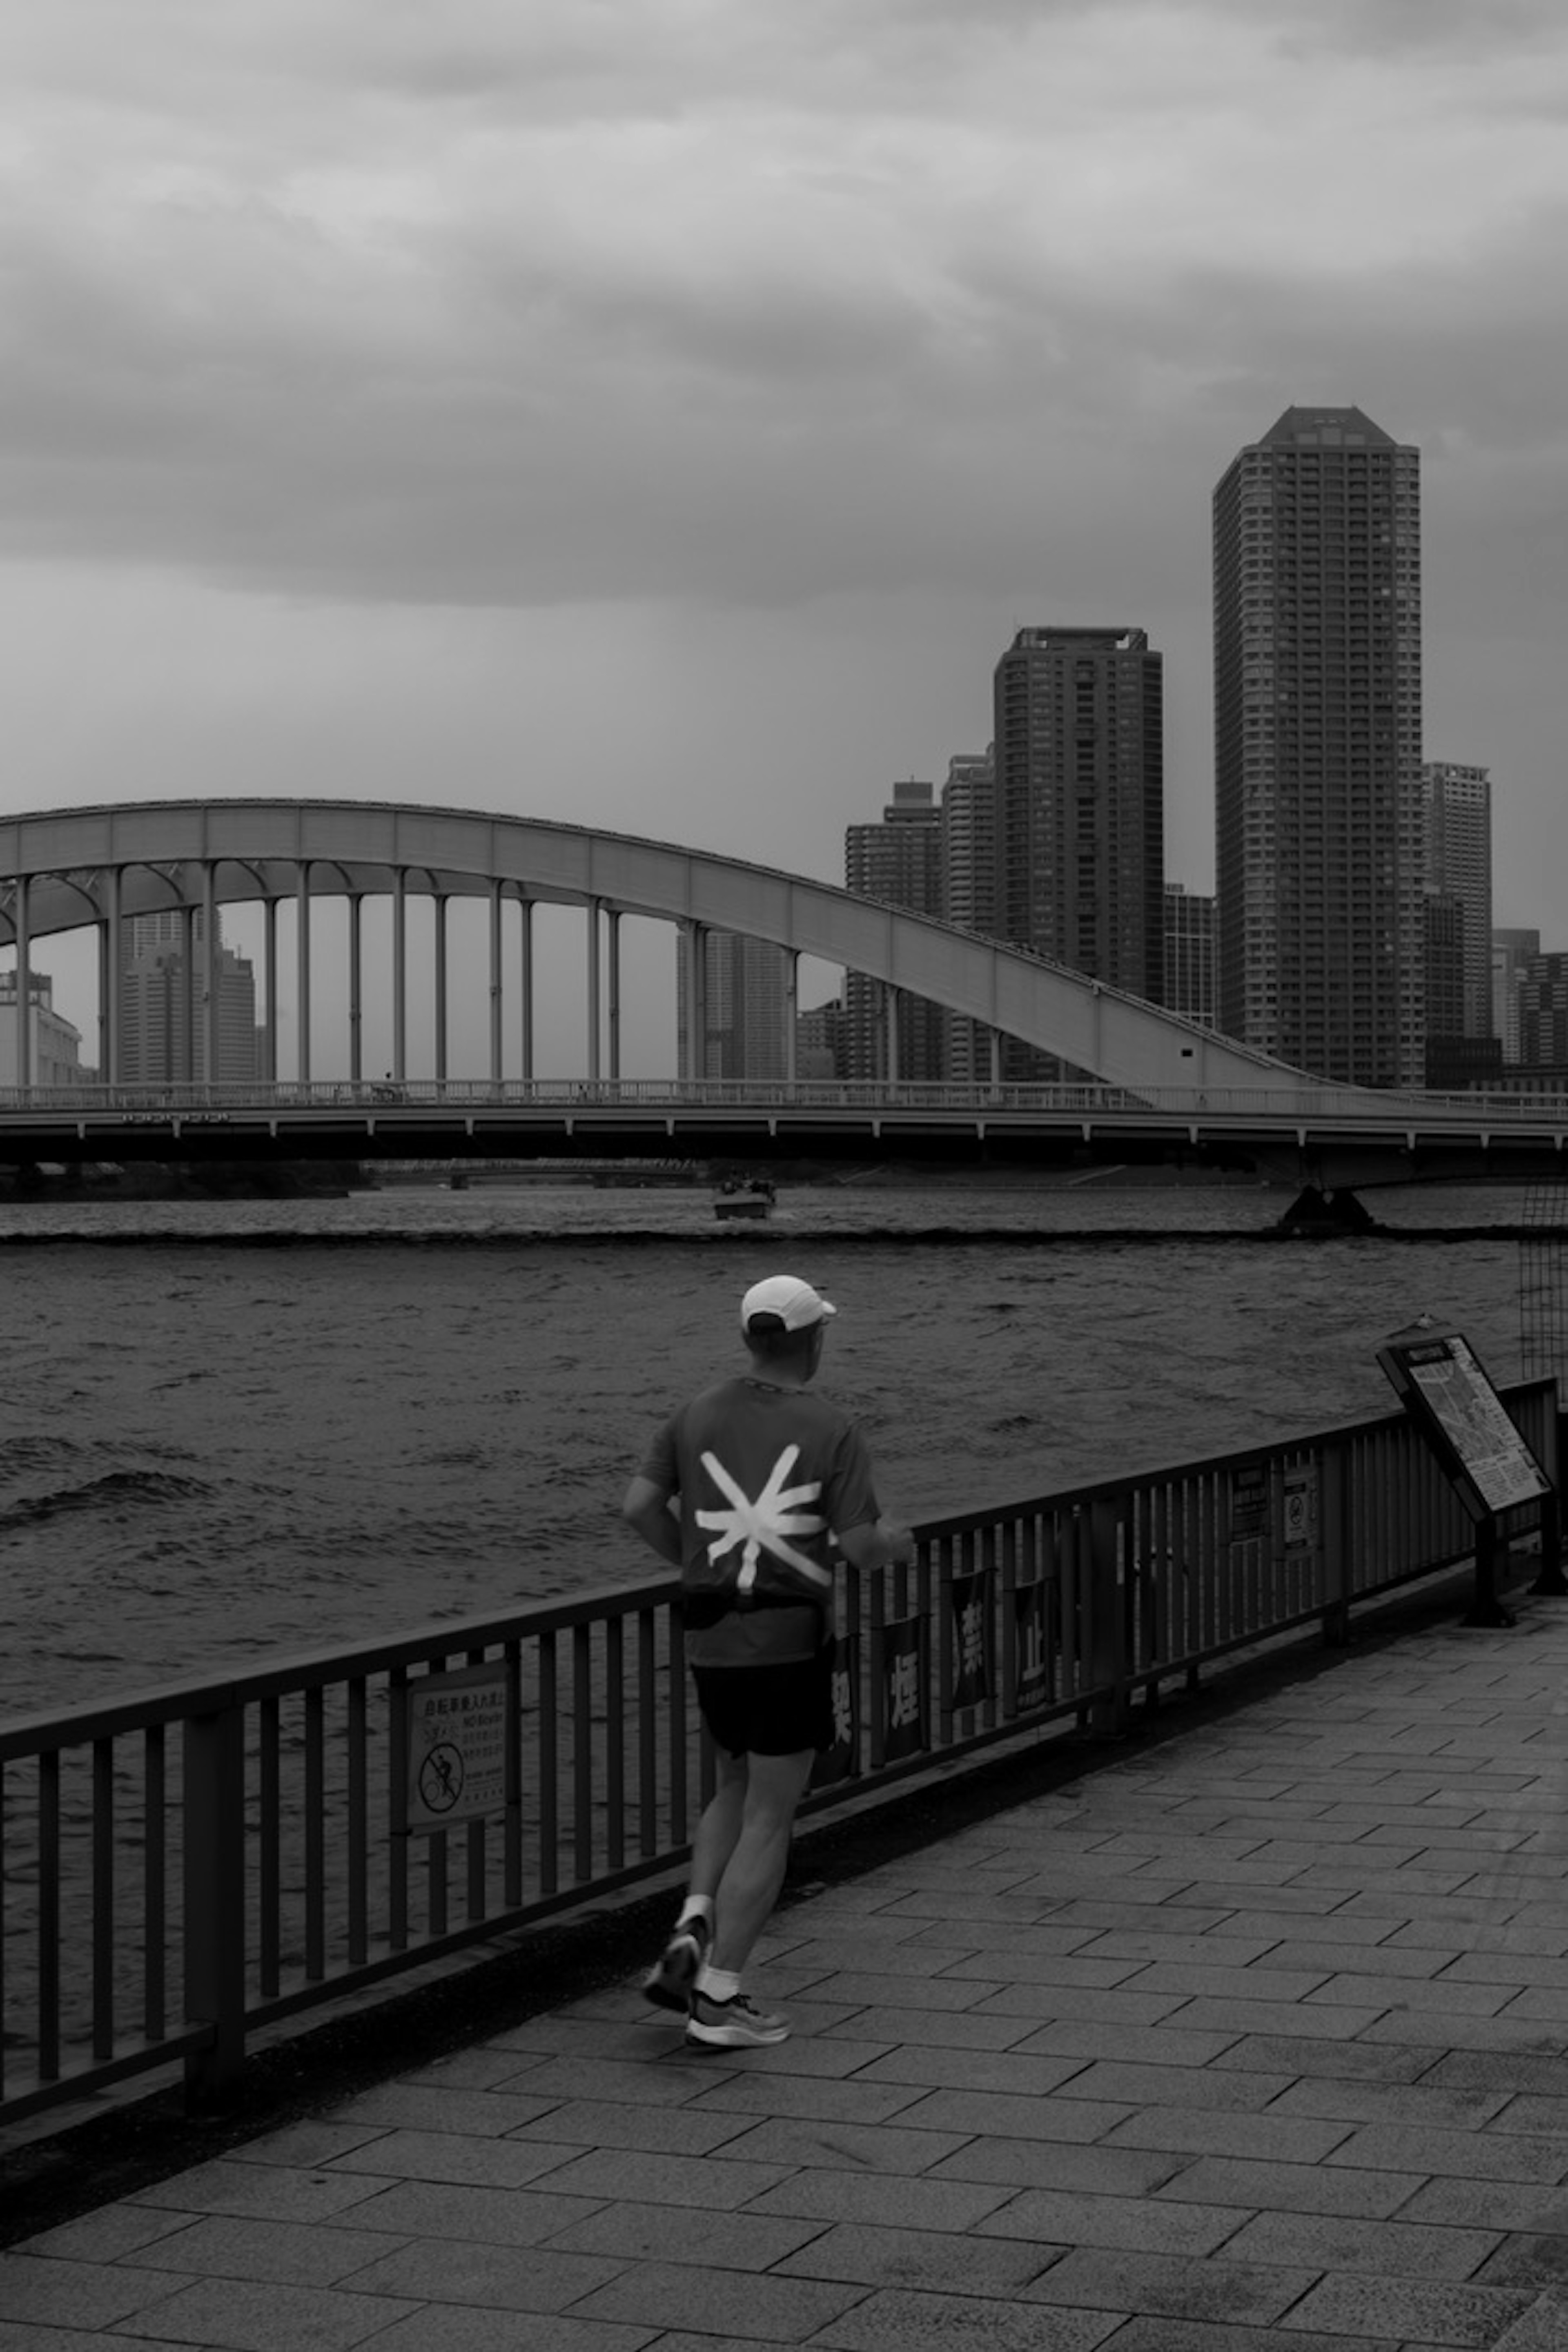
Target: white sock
(719, 1984)
(696, 1906)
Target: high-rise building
(898, 859)
(817, 1040)
(1512, 951)
(745, 995)
(164, 974)
(1457, 825)
(54, 1043)
(1080, 752)
(1317, 592)
(1544, 1012)
(969, 894)
(1191, 965)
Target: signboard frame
(1450, 1395)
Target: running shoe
(732, 2024)
(671, 1982)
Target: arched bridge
(1165, 1085)
(67, 868)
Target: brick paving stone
(108, 2235)
(902, 2320)
(228, 2186)
(1149, 2045)
(1396, 2103)
(865, 1990)
(445, 2155)
(1526, 2114)
(825, 2098)
(1208, 2131)
(1014, 2115)
(444, 2208)
(742, 2309)
(474, 2329)
(1170, 1941)
(61, 2293)
(946, 2261)
(1071, 2217)
(244, 2316)
(230, 2245)
(1045, 2164)
(1350, 1957)
(1466, 2154)
(1530, 2261)
(1133, 2083)
(1489, 2205)
(915, 2070)
(692, 2129)
(1085, 2002)
(1542, 2328)
(515, 2278)
(1330, 2242)
(857, 2147)
(1412, 1994)
(1044, 1968)
(964, 2029)
(1546, 2075)
(669, 2233)
(1293, 2188)
(1332, 2022)
(1216, 2289)
(612, 2172)
(1401, 2308)
(897, 2204)
(311, 2141)
(627, 2081)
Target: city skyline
(658, 416)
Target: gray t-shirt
(766, 1478)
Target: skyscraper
(897, 859)
(1317, 592)
(1190, 967)
(164, 973)
(745, 993)
(1457, 817)
(969, 894)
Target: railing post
(215, 1901)
(1107, 1622)
(1335, 1536)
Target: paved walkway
(1256, 2039)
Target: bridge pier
(1327, 1215)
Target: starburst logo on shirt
(777, 1514)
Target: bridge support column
(612, 951)
(109, 980)
(211, 975)
(525, 915)
(188, 985)
(792, 1014)
(357, 987)
(592, 915)
(441, 988)
(303, 969)
(495, 985)
(24, 985)
(269, 1016)
(399, 970)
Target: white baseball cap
(795, 1303)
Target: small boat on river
(739, 1197)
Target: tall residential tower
(1317, 592)
(1079, 799)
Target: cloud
(709, 300)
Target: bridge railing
(1345, 1108)
(183, 1868)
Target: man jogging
(749, 1490)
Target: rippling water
(230, 1429)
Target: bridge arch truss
(69, 870)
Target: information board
(455, 1747)
(1443, 1383)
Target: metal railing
(183, 1868)
(1352, 1108)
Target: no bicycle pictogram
(455, 1747)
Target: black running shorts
(768, 1710)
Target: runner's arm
(646, 1507)
(875, 1543)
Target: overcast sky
(659, 413)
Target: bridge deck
(1263, 2028)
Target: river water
(230, 1430)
